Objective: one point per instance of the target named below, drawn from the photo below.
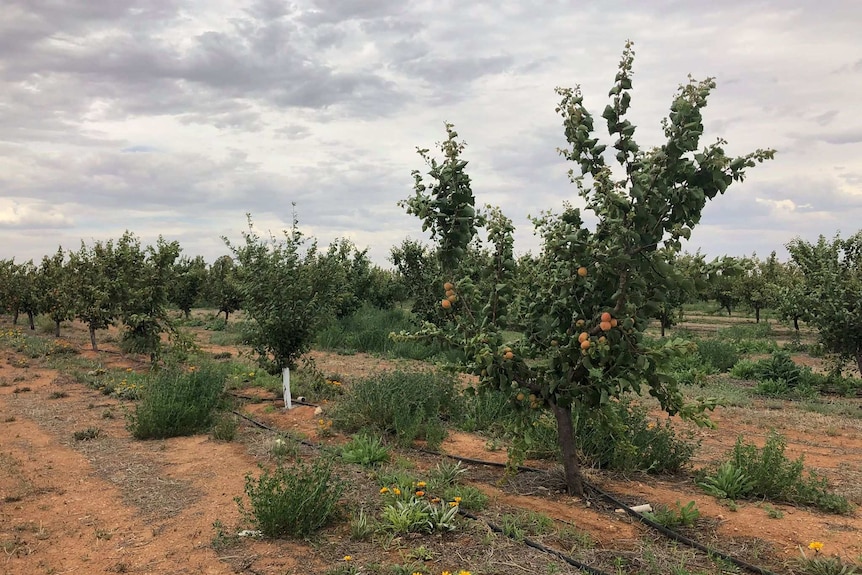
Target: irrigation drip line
(677, 536)
(571, 561)
(535, 545)
(272, 429)
(670, 533)
(262, 399)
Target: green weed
(293, 502)
(176, 402)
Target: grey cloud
(844, 137)
(826, 117)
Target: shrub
(408, 405)
(718, 354)
(293, 502)
(176, 402)
(744, 369)
(767, 472)
(621, 436)
(225, 428)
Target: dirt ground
(112, 504)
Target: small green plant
(409, 516)
(446, 473)
(58, 395)
(421, 553)
(222, 538)
(772, 512)
(819, 564)
(282, 447)
(225, 427)
(362, 526)
(728, 482)
(87, 434)
(676, 516)
(525, 523)
(293, 502)
(441, 517)
(365, 450)
(468, 497)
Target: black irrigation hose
(639, 516)
(261, 399)
(535, 545)
(268, 428)
(677, 536)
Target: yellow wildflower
(384, 490)
(457, 500)
(396, 491)
(462, 572)
(421, 484)
(420, 493)
(348, 558)
(815, 546)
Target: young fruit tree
(832, 278)
(596, 288)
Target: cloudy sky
(178, 117)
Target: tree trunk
(188, 313)
(30, 317)
(226, 313)
(756, 314)
(662, 322)
(56, 328)
(15, 318)
(93, 338)
(796, 323)
(566, 437)
(859, 359)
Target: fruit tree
(596, 287)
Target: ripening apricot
(606, 317)
(520, 397)
(605, 326)
(508, 355)
(585, 345)
(446, 304)
(580, 323)
(582, 271)
(583, 337)
(450, 292)
(603, 339)
(452, 298)
(448, 286)
(614, 322)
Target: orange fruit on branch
(606, 317)
(446, 304)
